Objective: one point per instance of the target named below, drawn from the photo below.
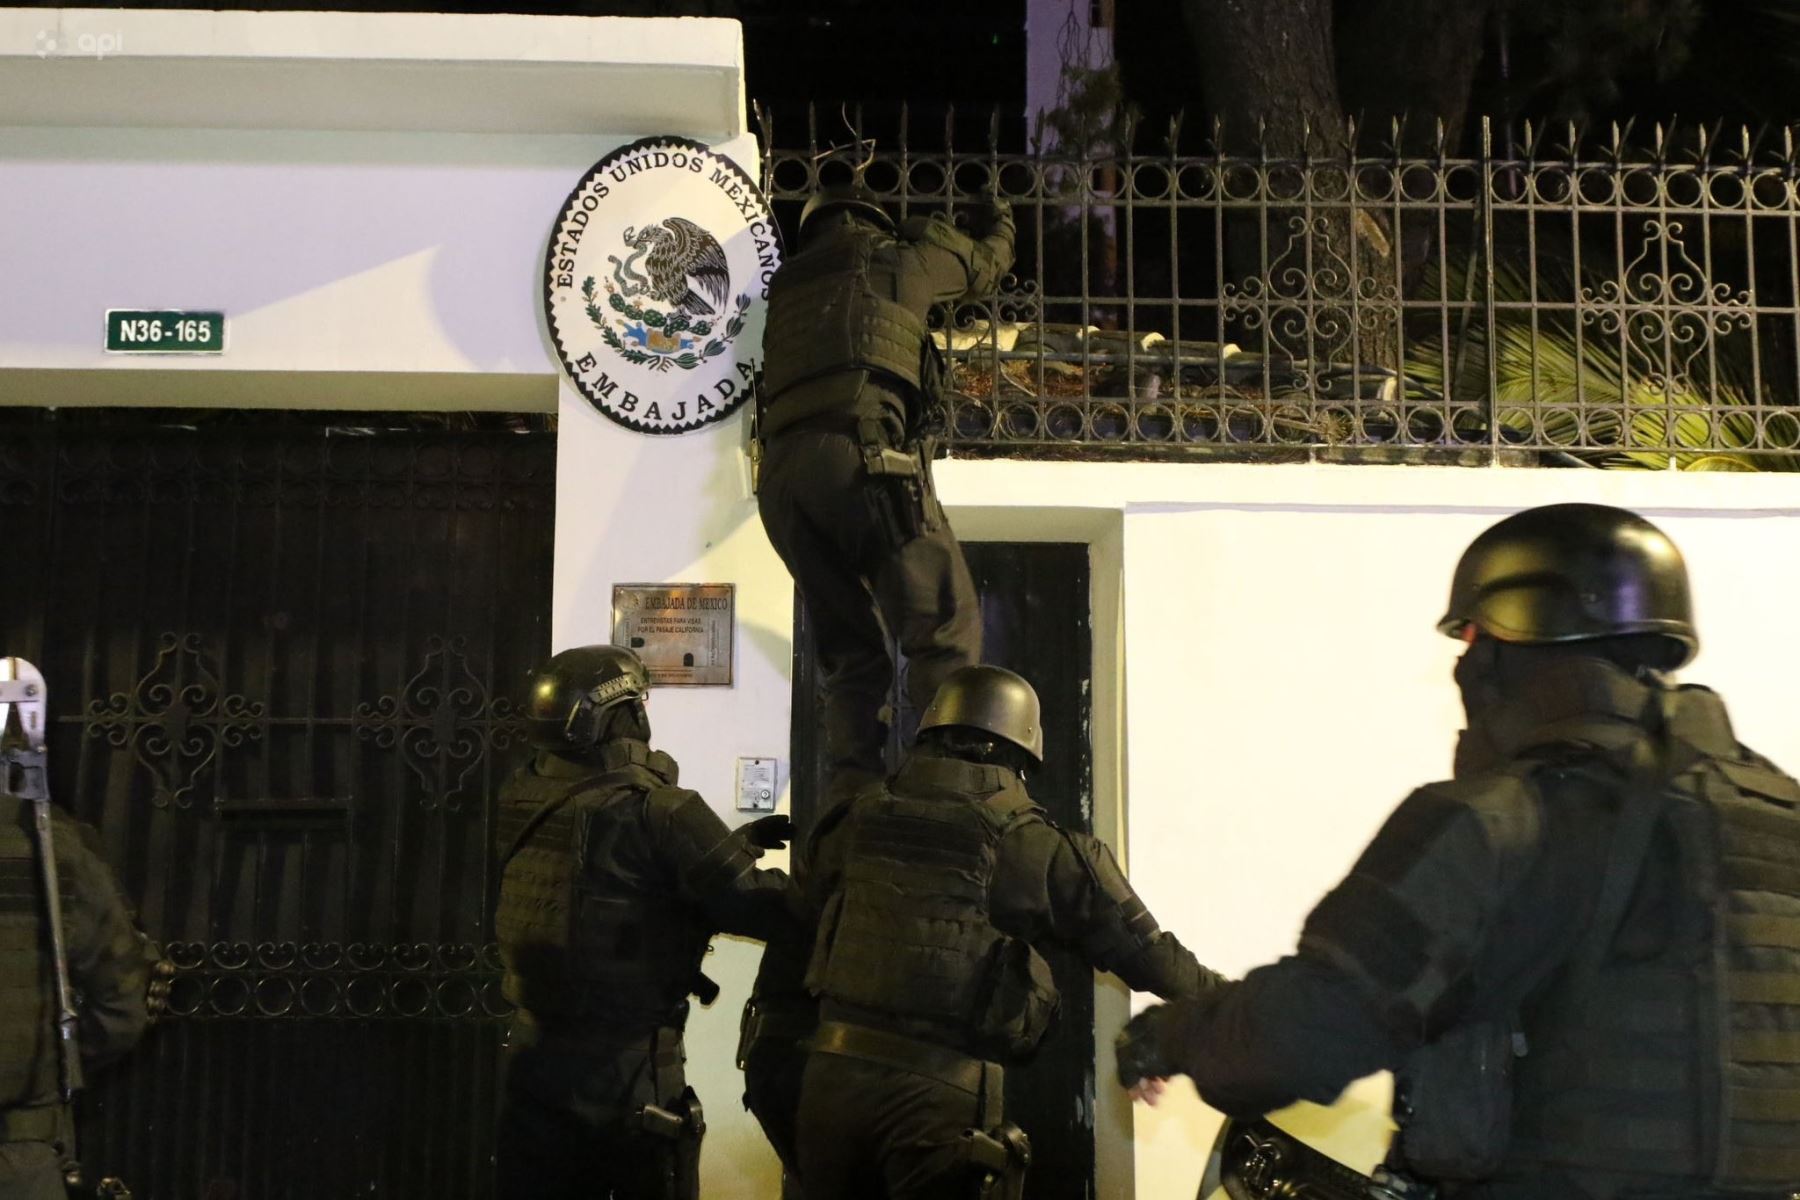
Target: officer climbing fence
(1557, 297)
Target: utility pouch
(1022, 1000)
(1457, 1100)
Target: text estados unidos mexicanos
(747, 202)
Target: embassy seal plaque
(657, 282)
(682, 631)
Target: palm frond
(1557, 382)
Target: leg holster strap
(998, 1160)
(878, 457)
(687, 1121)
(683, 1126)
(976, 1076)
(900, 493)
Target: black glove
(771, 832)
(991, 213)
(1141, 1047)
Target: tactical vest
(829, 312)
(908, 934)
(1684, 1060)
(27, 1036)
(579, 944)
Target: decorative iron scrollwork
(1312, 302)
(442, 721)
(176, 719)
(336, 980)
(1666, 310)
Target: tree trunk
(1309, 282)
(1269, 61)
(1411, 61)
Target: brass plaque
(682, 631)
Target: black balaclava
(976, 746)
(1501, 685)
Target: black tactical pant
(570, 1129)
(818, 505)
(773, 1071)
(869, 1131)
(30, 1171)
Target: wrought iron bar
(1631, 300)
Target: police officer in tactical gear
(778, 1023)
(1581, 955)
(932, 890)
(612, 881)
(850, 403)
(112, 968)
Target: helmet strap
(582, 729)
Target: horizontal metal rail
(1627, 302)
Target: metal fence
(1632, 300)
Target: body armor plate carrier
(582, 944)
(828, 313)
(1685, 1061)
(909, 933)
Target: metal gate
(280, 651)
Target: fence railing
(1629, 302)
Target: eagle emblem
(666, 297)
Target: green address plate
(164, 331)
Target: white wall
(1285, 687)
(634, 509)
(359, 192)
(330, 252)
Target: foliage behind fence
(1622, 302)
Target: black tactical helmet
(852, 196)
(572, 693)
(991, 699)
(1572, 573)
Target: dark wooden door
(1035, 620)
(281, 652)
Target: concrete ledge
(349, 71)
(390, 391)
